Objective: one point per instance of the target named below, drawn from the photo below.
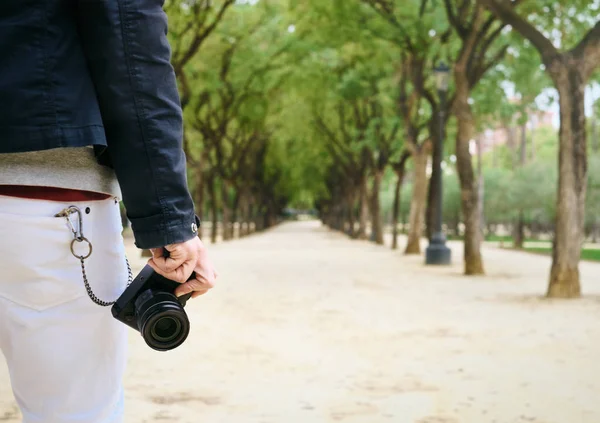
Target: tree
(478, 53)
(418, 35)
(570, 70)
(190, 23)
(354, 111)
(399, 169)
(233, 81)
(410, 99)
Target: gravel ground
(309, 326)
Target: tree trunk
(569, 72)
(364, 210)
(351, 223)
(419, 195)
(199, 194)
(267, 219)
(376, 217)
(248, 216)
(243, 215)
(213, 209)
(480, 191)
(518, 233)
(518, 230)
(235, 214)
(339, 224)
(226, 211)
(397, 196)
(258, 220)
(468, 185)
(572, 184)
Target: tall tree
(570, 70)
(399, 169)
(411, 101)
(478, 53)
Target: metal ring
(82, 239)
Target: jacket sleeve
(128, 55)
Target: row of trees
(321, 103)
(222, 64)
(487, 42)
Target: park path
(307, 326)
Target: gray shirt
(72, 168)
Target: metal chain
(78, 237)
(89, 290)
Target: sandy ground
(307, 326)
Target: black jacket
(98, 72)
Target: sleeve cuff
(156, 231)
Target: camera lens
(166, 329)
(161, 320)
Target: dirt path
(307, 326)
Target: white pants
(66, 355)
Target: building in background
(492, 138)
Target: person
(89, 115)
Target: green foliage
(312, 87)
(499, 195)
(565, 21)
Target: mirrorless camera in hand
(150, 306)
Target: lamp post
(437, 252)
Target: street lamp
(437, 252)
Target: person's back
(48, 97)
(89, 115)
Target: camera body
(150, 306)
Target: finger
(183, 289)
(176, 257)
(191, 286)
(169, 264)
(203, 278)
(152, 264)
(181, 274)
(172, 263)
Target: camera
(150, 306)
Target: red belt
(50, 193)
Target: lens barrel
(161, 320)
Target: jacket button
(194, 228)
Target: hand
(185, 258)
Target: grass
(590, 254)
(491, 238)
